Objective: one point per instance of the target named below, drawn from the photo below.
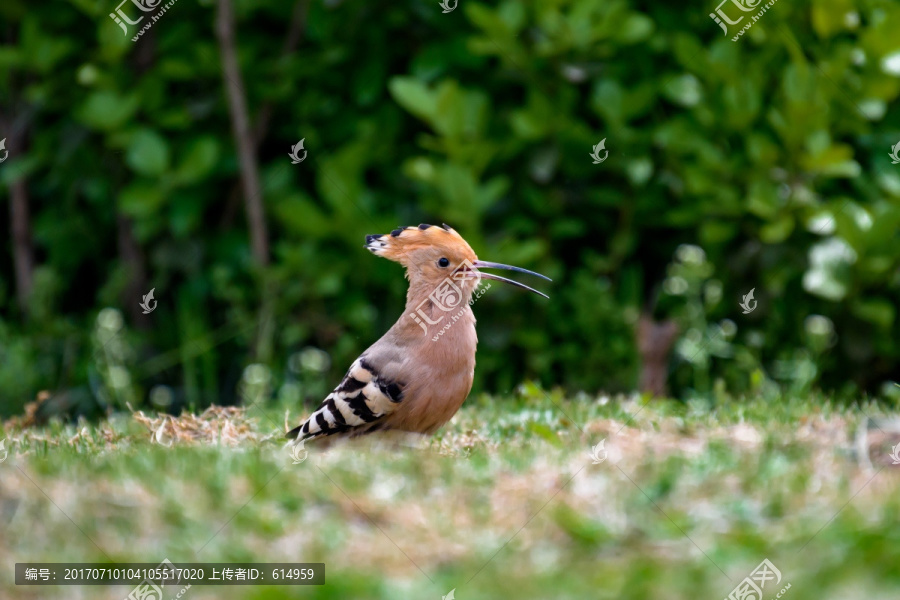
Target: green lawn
(504, 503)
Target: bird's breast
(441, 369)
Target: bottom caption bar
(152, 577)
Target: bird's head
(431, 254)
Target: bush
(758, 164)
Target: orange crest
(416, 247)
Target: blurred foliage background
(759, 164)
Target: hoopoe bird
(420, 372)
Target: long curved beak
(483, 264)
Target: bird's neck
(446, 293)
(431, 307)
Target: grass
(504, 502)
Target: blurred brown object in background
(655, 341)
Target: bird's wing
(366, 394)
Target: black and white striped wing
(355, 406)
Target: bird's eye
(443, 262)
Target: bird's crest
(400, 244)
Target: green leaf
(148, 153)
(874, 310)
(637, 28)
(301, 217)
(141, 199)
(777, 231)
(415, 97)
(199, 160)
(107, 110)
(545, 433)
